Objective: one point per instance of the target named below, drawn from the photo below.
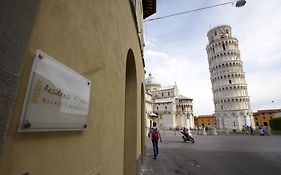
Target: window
(165, 107)
(221, 107)
(168, 93)
(214, 50)
(233, 123)
(162, 94)
(229, 81)
(223, 46)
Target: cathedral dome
(151, 80)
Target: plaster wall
(93, 38)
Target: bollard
(204, 132)
(268, 130)
(215, 131)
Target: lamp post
(273, 104)
(240, 3)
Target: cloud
(150, 43)
(153, 54)
(190, 73)
(176, 49)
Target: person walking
(252, 130)
(154, 134)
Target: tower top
(219, 32)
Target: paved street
(216, 155)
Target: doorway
(130, 122)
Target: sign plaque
(57, 97)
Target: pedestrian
(243, 129)
(261, 130)
(247, 129)
(252, 130)
(154, 134)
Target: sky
(175, 48)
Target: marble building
(166, 106)
(230, 94)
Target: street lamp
(273, 104)
(240, 3)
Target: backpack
(155, 134)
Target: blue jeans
(155, 147)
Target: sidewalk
(149, 164)
(159, 165)
(156, 166)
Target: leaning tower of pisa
(231, 99)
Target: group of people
(248, 129)
(262, 130)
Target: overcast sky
(175, 48)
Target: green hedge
(275, 124)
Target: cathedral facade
(165, 106)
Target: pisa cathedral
(231, 99)
(166, 107)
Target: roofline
(267, 111)
(202, 116)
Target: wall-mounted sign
(57, 97)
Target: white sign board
(57, 97)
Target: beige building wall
(94, 38)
